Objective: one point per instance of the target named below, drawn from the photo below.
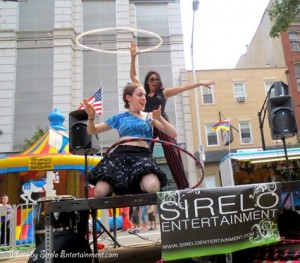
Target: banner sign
(202, 222)
(41, 163)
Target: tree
(282, 13)
(35, 137)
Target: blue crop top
(130, 125)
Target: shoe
(150, 229)
(134, 231)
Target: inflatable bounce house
(25, 226)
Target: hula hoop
(101, 30)
(198, 163)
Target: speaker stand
(93, 213)
(288, 171)
(86, 187)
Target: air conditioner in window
(240, 99)
(246, 140)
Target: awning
(266, 156)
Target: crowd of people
(142, 218)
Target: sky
(222, 30)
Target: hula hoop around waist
(197, 161)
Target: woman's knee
(150, 183)
(102, 189)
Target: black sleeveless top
(154, 101)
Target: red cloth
(174, 160)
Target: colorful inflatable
(25, 227)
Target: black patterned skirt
(124, 168)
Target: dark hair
(146, 85)
(128, 90)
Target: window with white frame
(245, 132)
(268, 84)
(211, 136)
(207, 95)
(297, 75)
(294, 37)
(239, 91)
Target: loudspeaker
(281, 116)
(80, 142)
(279, 88)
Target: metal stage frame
(93, 204)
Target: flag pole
(229, 137)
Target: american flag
(96, 101)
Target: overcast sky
(222, 30)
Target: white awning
(267, 156)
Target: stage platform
(93, 204)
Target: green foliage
(282, 13)
(35, 137)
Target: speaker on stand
(80, 142)
(282, 118)
(282, 122)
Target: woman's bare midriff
(134, 143)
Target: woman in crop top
(157, 95)
(130, 168)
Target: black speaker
(80, 142)
(282, 119)
(279, 88)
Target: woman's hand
(160, 123)
(133, 49)
(208, 84)
(89, 109)
(156, 114)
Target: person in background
(5, 220)
(125, 218)
(151, 211)
(157, 95)
(144, 218)
(135, 219)
(130, 168)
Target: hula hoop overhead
(198, 163)
(123, 29)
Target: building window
(245, 132)
(297, 76)
(153, 17)
(207, 95)
(294, 38)
(239, 91)
(36, 15)
(34, 88)
(99, 14)
(211, 136)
